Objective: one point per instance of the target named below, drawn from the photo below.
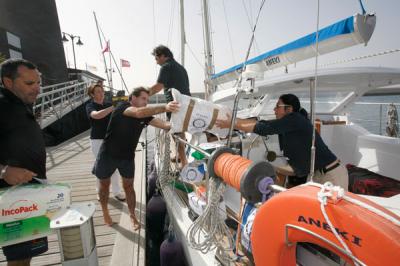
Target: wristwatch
(3, 171)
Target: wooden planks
(71, 162)
(129, 249)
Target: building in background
(31, 30)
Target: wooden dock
(71, 162)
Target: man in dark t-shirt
(99, 113)
(22, 148)
(118, 149)
(172, 75)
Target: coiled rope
(231, 168)
(209, 230)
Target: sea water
(371, 112)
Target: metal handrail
(323, 239)
(57, 100)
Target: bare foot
(136, 223)
(108, 220)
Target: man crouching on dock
(118, 149)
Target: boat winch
(252, 179)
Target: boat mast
(183, 37)
(101, 47)
(209, 67)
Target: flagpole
(122, 79)
(115, 63)
(111, 68)
(101, 47)
(119, 71)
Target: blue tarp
(345, 26)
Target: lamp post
(64, 39)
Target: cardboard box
(26, 210)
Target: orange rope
(231, 168)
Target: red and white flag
(125, 63)
(107, 47)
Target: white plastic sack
(197, 115)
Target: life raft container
(295, 216)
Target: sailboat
(311, 224)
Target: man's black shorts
(26, 250)
(106, 165)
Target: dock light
(79, 42)
(76, 235)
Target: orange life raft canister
(295, 216)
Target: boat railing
(57, 100)
(323, 239)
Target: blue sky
(136, 26)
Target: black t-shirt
(295, 134)
(98, 126)
(123, 133)
(173, 75)
(21, 140)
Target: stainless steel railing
(57, 100)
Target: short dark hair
(162, 50)
(137, 91)
(9, 68)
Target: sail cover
(351, 31)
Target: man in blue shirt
(295, 133)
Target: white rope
(329, 191)
(373, 209)
(364, 205)
(323, 195)
(208, 231)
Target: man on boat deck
(295, 134)
(22, 148)
(172, 75)
(118, 149)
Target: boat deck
(71, 162)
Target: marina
(289, 160)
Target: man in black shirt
(99, 113)
(118, 149)
(22, 148)
(172, 75)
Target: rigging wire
(194, 56)
(250, 21)
(171, 23)
(155, 41)
(251, 41)
(115, 62)
(386, 52)
(229, 33)
(154, 25)
(362, 7)
(313, 88)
